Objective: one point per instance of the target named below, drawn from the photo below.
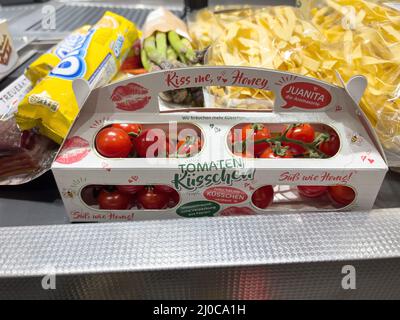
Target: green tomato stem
(308, 146)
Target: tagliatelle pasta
(206, 26)
(350, 37)
(274, 38)
(364, 38)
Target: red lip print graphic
(131, 97)
(74, 150)
(237, 211)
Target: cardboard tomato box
(215, 181)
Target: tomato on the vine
(331, 146)
(148, 146)
(271, 154)
(303, 132)
(113, 143)
(130, 189)
(343, 195)
(263, 197)
(133, 129)
(152, 199)
(188, 146)
(113, 200)
(312, 191)
(254, 132)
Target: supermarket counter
(277, 256)
(283, 256)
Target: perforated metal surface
(276, 256)
(71, 16)
(197, 243)
(11, 12)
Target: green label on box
(198, 209)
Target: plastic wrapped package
(23, 155)
(318, 40)
(364, 38)
(42, 66)
(166, 44)
(273, 38)
(28, 145)
(206, 26)
(51, 105)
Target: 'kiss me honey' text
(173, 80)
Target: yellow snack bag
(42, 66)
(51, 105)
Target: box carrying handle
(292, 92)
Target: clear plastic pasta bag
(364, 38)
(321, 38)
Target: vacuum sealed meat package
(23, 155)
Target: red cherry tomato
(342, 195)
(163, 188)
(256, 132)
(173, 199)
(270, 154)
(113, 143)
(330, 147)
(302, 132)
(133, 129)
(173, 195)
(189, 146)
(263, 197)
(89, 196)
(151, 199)
(144, 145)
(312, 191)
(133, 61)
(113, 200)
(130, 189)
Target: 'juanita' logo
(193, 176)
(305, 95)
